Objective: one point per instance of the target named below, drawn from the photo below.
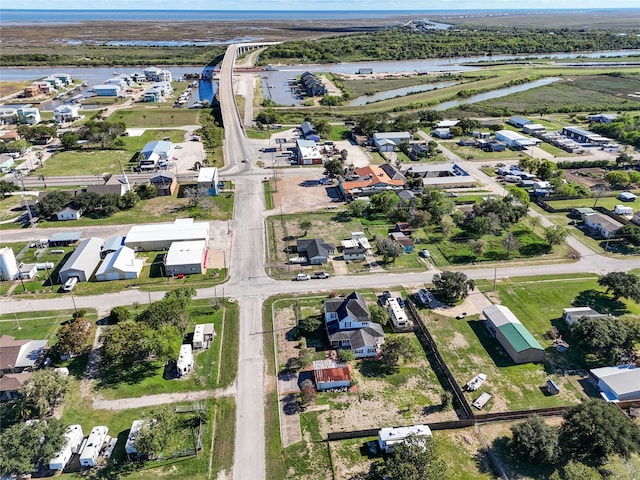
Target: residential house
(186, 258)
(160, 236)
(573, 314)
(7, 163)
(69, 213)
(329, 374)
(308, 153)
(64, 78)
(353, 253)
(18, 356)
(516, 340)
(165, 183)
(389, 438)
(108, 90)
(309, 132)
(348, 323)
(185, 361)
(120, 264)
(369, 180)
(620, 383)
(312, 85)
(10, 385)
(114, 185)
(208, 181)
(315, 250)
(401, 239)
(31, 91)
(155, 74)
(602, 224)
(418, 151)
(8, 116)
(407, 197)
(28, 115)
(83, 261)
(66, 113)
(388, 141)
(443, 133)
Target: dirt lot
(585, 176)
(302, 194)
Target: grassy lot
(268, 194)
(85, 162)
(553, 150)
(40, 325)
(147, 379)
(156, 116)
(11, 207)
(339, 132)
(608, 202)
(135, 144)
(479, 154)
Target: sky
(318, 6)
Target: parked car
(178, 147)
(245, 160)
(452, 195)
(400, 302)
(460, 316)
(301, 277)
(424, 253)
(425, 297)
(320, 275)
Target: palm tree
(42, 177)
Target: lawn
(11, 206)
(608, 202)
(468, 349)
(40, 325)
(147, 378)
(84, 162)
(479, 154)
(136, 144)
(156, 116)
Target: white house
(208, 181)
(617, 384)
(185, 362)
(388, 438)
(156, 153)
(73, 438)
(442, 133)
(602, 224)
(120, 264)
(155, 74)
(203, 335)
(66, 113)
(69, 213)
(97, 438)
(28, 115)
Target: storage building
(83, 261)
(203, 335)
(208, 181)
(186, 258)
(573, 314)
(185, 362)
(331, 374)
(514, 140)
(121, 264)
(73, 438)
(91, 452)
(160, 236)
(517, 341)
(617, 384)
(388, 438)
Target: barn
(516, 340)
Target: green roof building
(517, 341)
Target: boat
(476, 382)
(271, 68)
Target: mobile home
(97, 438)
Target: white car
(301, 277)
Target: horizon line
(331, 10)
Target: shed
(627, 197)
(121, 264)
(331, 374)
(83, 261)
(617, 384)
(186, 258)
(573, 314)
(64, 239)
(388, 438)
(111, 245)
(185, 361)
(517, 341)
(97, 438)
(73, 438)
(203, 336)
(208, 181)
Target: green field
(147, 379)
(607, 202)
(156, 116)
(479, 154)
(41, 325)
(84, 162)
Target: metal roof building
(388, 438)
(83, 261)
(617, 384)
(185, 258)
(160, 236)
(120, 264)
(64, 238)
(517, 341)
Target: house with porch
(602, 224)
(369, 180)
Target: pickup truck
(320, 275)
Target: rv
(91, 451)
(70, 284)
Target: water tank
(8, 265)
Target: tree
(618, 179)
(128, 200)
(478, 247)
(511, 242)
(346, 355)
(147, 191)
(310, 324)
(23, 444)
(192, 194)
(7, 187)
(453, 286)
(307, 391)
(418, 218)
(447, 225)
(52, 202)
(621, 285)
(519, 195)
(119, 314)
(631, 233)
(576, 471)
(546, 169)
(333, 168)
(395, 347)
(378, 314)
(388, 249)
(595, 429)
(535, 441)
(131, 341)
(555, 235)
(305, 224)
(385, 202)
(73, 337)
(357, 208)
(42, 391)
(156, 432)
(605, 337)
(416, 459)
(69, 140)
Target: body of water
(399, 92)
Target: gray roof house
(316, 251)
(349, 325)
(83, 261)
